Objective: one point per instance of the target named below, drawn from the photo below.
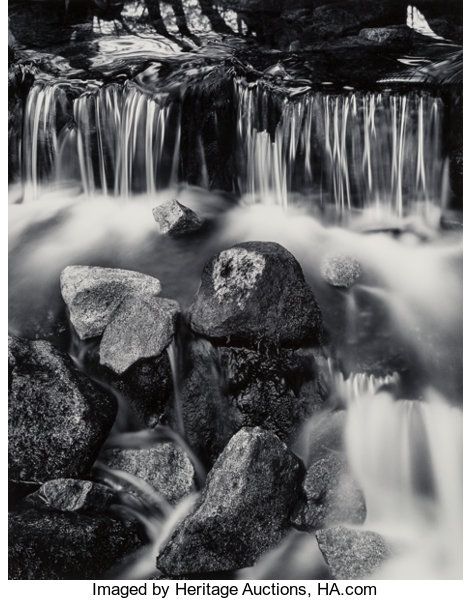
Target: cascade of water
(111, 138)
(353, 150)
(406, 457)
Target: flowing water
(357, 174)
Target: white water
(407, 458)
(353, 150)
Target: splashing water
(407, 458)
(358, 150)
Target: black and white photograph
(235, 293)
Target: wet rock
(244, 510)
(175, 218)
(350, 553)
(202, 412)
(64, 545)
(147, 388)
(58, 418)
(394, 34)
(340, 270)
(254, 291)
(72, 495)
(141, 327)
(332, 496)
(276, 390)
(165, 467)
(325, 434)
(93, 294)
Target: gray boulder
(332, 496)
(255, 291)
(164, 466)
(72, 495)
(58, 419)
(393, 34)
(351, 553)
(66, 545)
(244, 510)
(93, 294)
(175, 218)
(141, 327)
(340, 270)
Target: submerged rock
(255, 291)
(72, 495)
(340, 270)
(165, 467)
(141, 327)
(332, 496)
(65, 545)
(93, 294)
(58, 418)
(351, 553)
(175, 218)
(244, 510)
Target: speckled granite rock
(72, 495)
(255, 291)
(57, 417)
(141, 327)
(244, 510)
(165, 466)
(351, 553)
(332, 496)
(340, 271)
(175, 218)
(93, 294)
(64, 545)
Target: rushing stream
(362, 174)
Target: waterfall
(110, 138)
(407, 458)
(376, 149)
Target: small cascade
(377, 149)
(113, 139)
(357, 385)
(406, 457)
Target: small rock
(58, 418)
(165, 467)
(332, 496)
(351, 553)
(175, 218)
(254, 291)
(66, 545)
(93, 294)
(72, 495)
(340, 270)
(141, 327)
(244, 510)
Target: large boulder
(256, 291)
(164, 466)
(244, 509)
(351, 553)
(175, 218)
(93, 294)
(67, 545)
(58, 419)
(332, 496)
(72, 495)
